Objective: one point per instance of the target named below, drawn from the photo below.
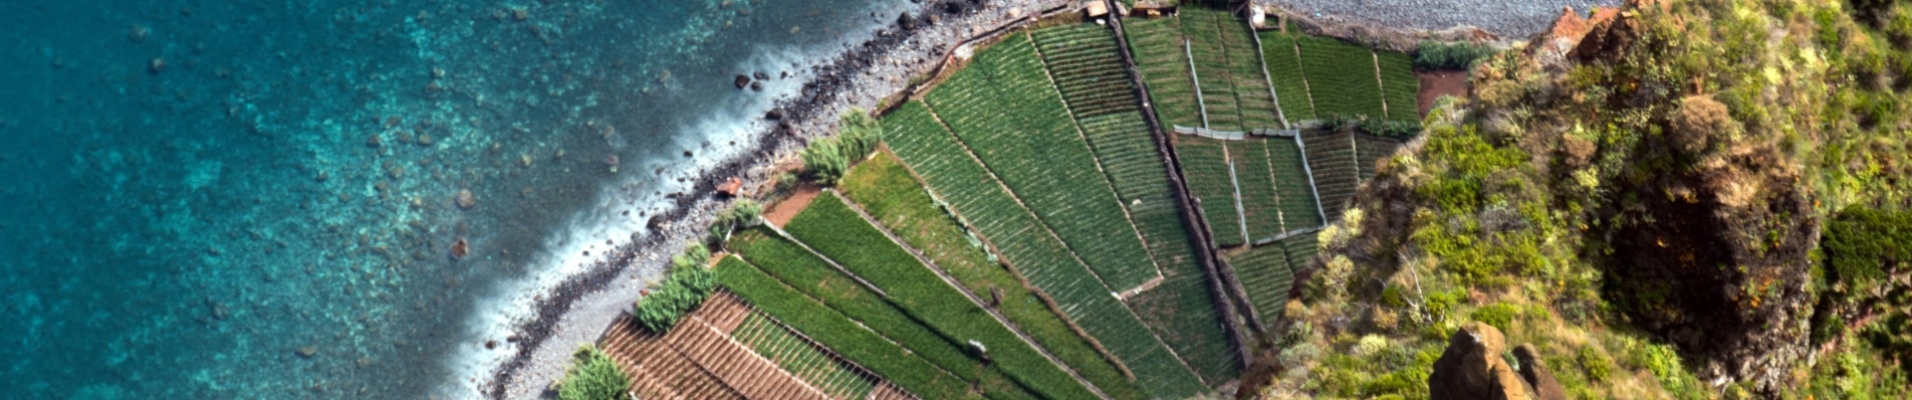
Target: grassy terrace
(1266, 276)
(1297, 195)
(1087, 68)
(1214, 78)
(1255, 177)
(802, 359)
(1180, 309)
(855, 342)
(1341, 77)
(832, 228)
(1027, 247)
(1257, 105)
(1157, 46)
(1399, 87)
(1284, 70)
(1205, 163)
(895, 199)
(1004, 109)
(1331, 157)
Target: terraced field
(1026, 246)
(1301, 250)
(1266, 276)
(1298, 208)
(1257, 104)
(1205, 163)
(1341, 77)
(1399, 86)
(1003, 108)
(1212, 75)
(1087, 68)
(1284, 70)
(840, 233)
(807, 361)
(1331, 157)
(1158, 49)
(897, 200)
(832, 328)
(1182, 314)
(1255, 177)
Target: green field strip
(1205, 165)
(1301, 250)
(1257, 104)
(1298, 208)
(813, 276)
(1266, 277)
(1005, 111)
(1182, 311)
(831, 227)
(1331, 158)
(1182, 315)
(1261, 206)
(1212, 73)
(888, 192)
(1156, 44)
(1400, 88)
(1341, 77)
(841, 334)
(1088, 70)
(1284, 70)
(1024, 244)
(1369, 151)
(803, 359)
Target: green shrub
(743, 213)
(1597, 365)
(593, 376)
(1500, 315)
(1437, 56)
(824, 161)
(687, 286)
(1860, 241)
(860, 134)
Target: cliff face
(1637, 196)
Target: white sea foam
(512, 301)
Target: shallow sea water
(210, 200)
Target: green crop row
(837, 331)
(802, 359)
(814, 277)
(1266, 277)
(1157, 46)
(1400, 88)
(1212, 75)
(890, 195)
(1341, 78)
(1003, 107)
(1291, 185)
(1027, 247)
(1255, 177)
(1331, 158)
(1182, 311)
(1257, 104)
(1205, 165)
(1088, 70)
(831, 227)
(1284, 70)
(1301, 250)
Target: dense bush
(1861, 241)
(686, 287)
(1438, 56)
(828, 158)
(593, 376)
(743, 213)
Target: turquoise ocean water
(259, 200)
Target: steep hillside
(1643, 203)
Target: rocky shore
(578, 310)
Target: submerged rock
(742, 81)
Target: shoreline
(860, 76)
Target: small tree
(593, 376)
